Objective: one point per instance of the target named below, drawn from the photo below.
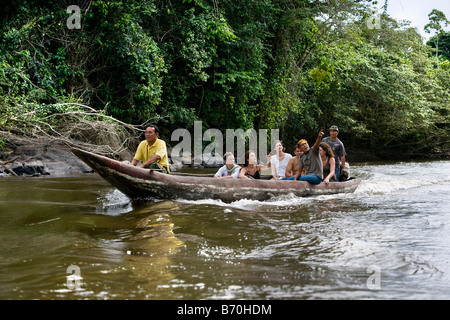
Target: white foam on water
(247, 204)
(373, 184)
(387, 179)
(114, 203)
(388, 185)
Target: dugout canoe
(140, 183)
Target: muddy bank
(36, 160)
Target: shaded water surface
(79, 238)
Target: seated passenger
(279, 161)
(251, 170)
(230, 169)
(152, 151)
(328, 162)
(311, 161)
(292, 166)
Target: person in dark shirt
(251, 170)
(328, 162)
(311, 161)
(338, 149)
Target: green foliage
(443, 42)
(384, 94)
(296, 65)
(438, 21)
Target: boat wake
(287, 201)
(390, 179)
(371, 184)
(389, 185)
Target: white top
(280, 166)
(222, 172)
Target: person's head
(297, 151)
(334, 131)
(325, 150)
(279, 146)
(228, 158)
(250, 158)
(303, 145)
(151, 133)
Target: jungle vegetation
(295, 65)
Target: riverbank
(44, 159)
(41, 159)
(38, 158)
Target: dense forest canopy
(295, 65)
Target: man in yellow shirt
(152, 151)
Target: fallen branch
(85, 128)
(4, 163)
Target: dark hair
(154, 127)
(247, 156)
(328, 151)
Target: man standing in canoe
(152, 151)
(338, 149)
(311, 161)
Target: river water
(77, 237)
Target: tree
(300, 29)
(380, 88)
(438, 21)
(444, 44)
(293, 65)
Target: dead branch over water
(80, 126)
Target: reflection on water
(150, 250)
(320, 247)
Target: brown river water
(77, 237)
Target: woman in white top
(279, 161)
(230, 169)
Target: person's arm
(161, 152)
(342, 163)
(219, 173)
(138, 156)
(242, 174)
(289, 172)
(331, 174)
(342, 156)
(318, 140)
(222, 173)
(273, 167)
(150, 161)
(300, 169)
(236, 173)
(230, 177)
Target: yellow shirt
(145, 152)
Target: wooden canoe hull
(138, 183)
